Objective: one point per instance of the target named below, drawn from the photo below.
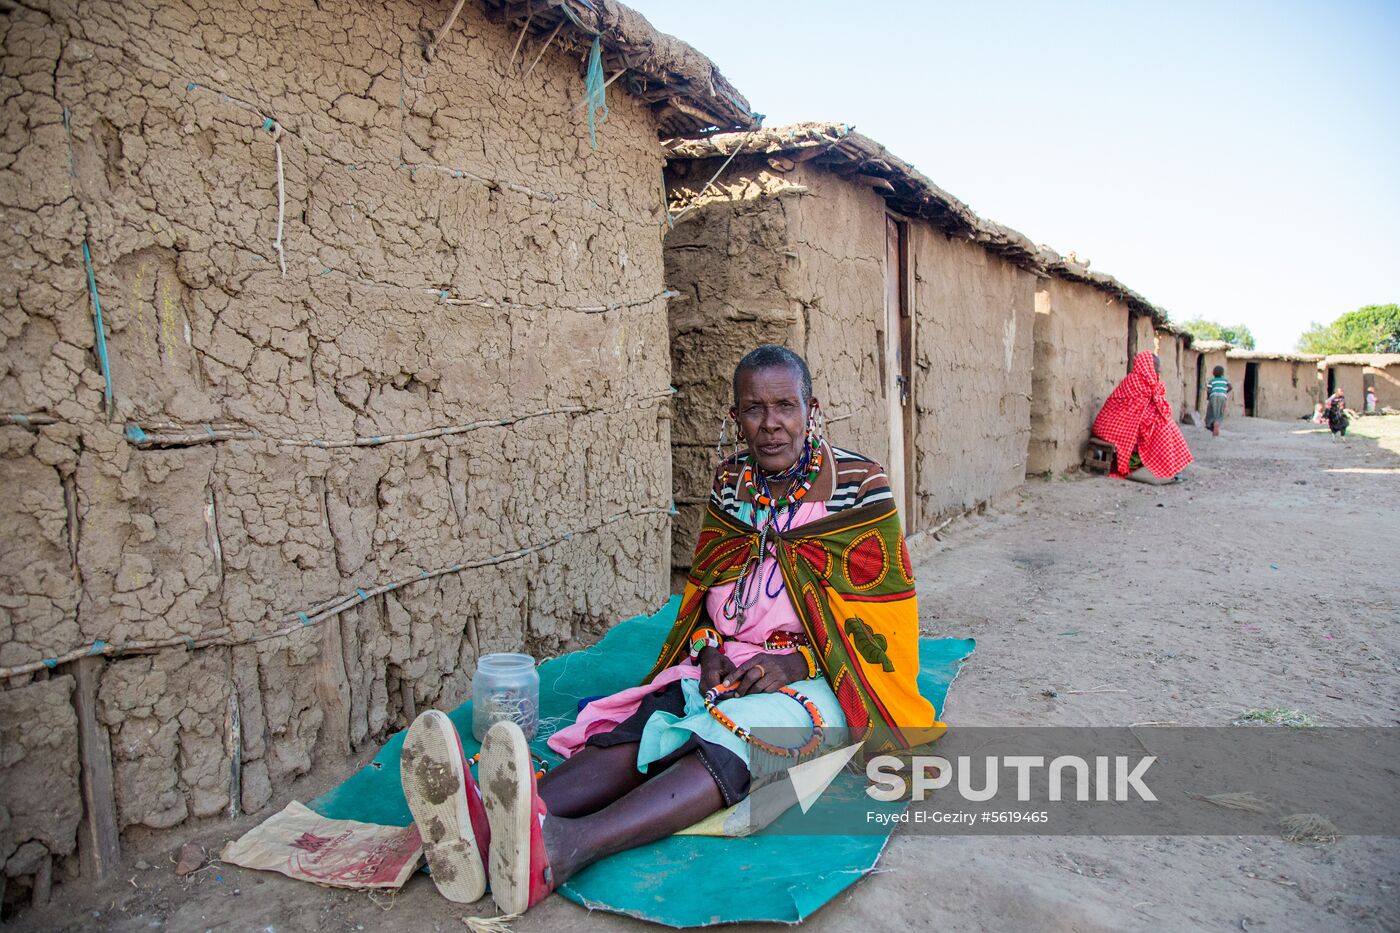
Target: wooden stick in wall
(99, 845)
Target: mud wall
(838, 234)
(1169, 352)
(456, 257)
(1174, 373)
(1348, 378)
(729, 263)
(1080, 338)
(798, 257)
(1287, 389)
(794, 258)
(973, 356)
(1190, 380)
(1387, 382)
(1141, 336)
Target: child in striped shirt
(1217, 392)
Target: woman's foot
(518, 863)
(446, 806)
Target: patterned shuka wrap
(1136, 418)
(852, 585)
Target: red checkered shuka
(1137, 416)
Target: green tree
(1236, 334)
(1371, 329)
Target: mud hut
(915, 313)
(327, 325)
(1280, 386)
(1172, 347)
(1085, 323)
(1190, 375)
(1353, 373)
(1210, 354)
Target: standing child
(1217, 392)
(1370, 400)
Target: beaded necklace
(767, 509)
(715, 694)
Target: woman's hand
(765, 673)
(714, 667)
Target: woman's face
(771, 415)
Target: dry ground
(1269, 579)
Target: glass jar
(506, 686)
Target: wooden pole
(99, 844)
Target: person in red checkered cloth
(1137, 420)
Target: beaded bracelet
(715, 694)
(703, 638)
(810, 657)
(781, 641)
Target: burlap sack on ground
(301, 843)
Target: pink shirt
(772, 612)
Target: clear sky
(1234, 160)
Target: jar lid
(505, 661)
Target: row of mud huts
(344, 342)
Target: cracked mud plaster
(1179, 373)
(800, 260)
(40, 804)
(973, 357)
(1081, 340)
(403, 180)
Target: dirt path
(1186, 604)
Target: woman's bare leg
(593, 778)
(680, 796)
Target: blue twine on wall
(305, 619)
(72, 159)
(595, 91)
(51, 662)
(135, 434)
(364, 597)
(97, 323)
(97, 646)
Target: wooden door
(898, 368)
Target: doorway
(1331, 382)
(899, 387)
(1200, 380)
(1251, 387)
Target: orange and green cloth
(852, 585)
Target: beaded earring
(816, 426)
(723, 435)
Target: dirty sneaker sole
(505, 773)
(434, 784)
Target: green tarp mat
(683, 881)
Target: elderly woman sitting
(1137, 420)
(799, 611)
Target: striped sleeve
(859, 481)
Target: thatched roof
(1257, 355)
(1212, 346)
(1377, 360)
(837, 148)
(684, 88)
